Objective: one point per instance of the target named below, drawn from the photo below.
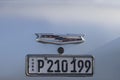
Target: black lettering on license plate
(87, 64)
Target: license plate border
(56, 75)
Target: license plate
(59, 65)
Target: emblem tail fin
(37, 35)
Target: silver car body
(97, 19)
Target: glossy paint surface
(97, 19)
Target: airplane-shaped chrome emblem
(59, 39)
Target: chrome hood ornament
(59, 39)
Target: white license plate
(59, 65)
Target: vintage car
(70, 55)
